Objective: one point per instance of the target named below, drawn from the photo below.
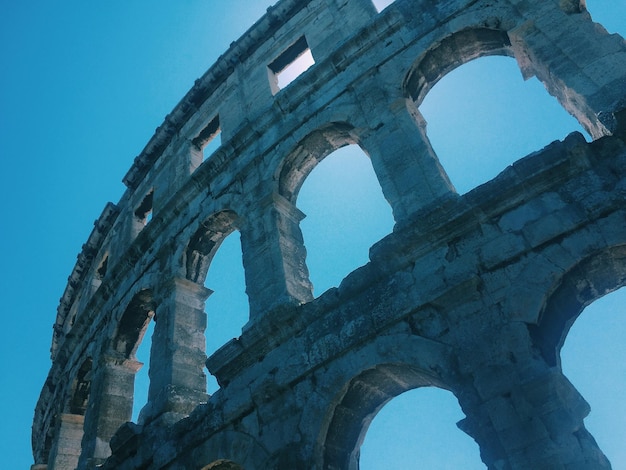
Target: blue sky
(82, 88)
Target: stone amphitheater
(471, 293)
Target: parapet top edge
(239, 50)
(102, 226)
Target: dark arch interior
(82, 387)
(309, 152)
(588, 281)
(205, 242)
(223, 464)
(133, 324)
(365, 395)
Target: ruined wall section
(148, 254)
(305, 381)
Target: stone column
(110, 405)
(579, 63)
(406, 165)
(274, 256)
(522, 412)
(66, 451)
(177, 356)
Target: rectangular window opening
(380, 5)
(102, 268)
(212, 145)
(210, 139)
(288, 66)
(144, 210)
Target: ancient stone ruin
(474, 294)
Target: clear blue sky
(82, 88)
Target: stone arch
(592, 278)
(308, 153)
(346, 214)
(364, 396)
(223, 464)
(442, 58)
(205, 242)
(471, 43)
(421, 426)
(68, 430)
(469, 134)
(592, 360)
(295, 169)
(133, 324)
(368, 379)
(81, 387)
(450, 53)
(364, 334)
(113, 383)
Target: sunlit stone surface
(474, 293)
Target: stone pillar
(587, 76)
(274, 257)
(110, 405)
(66, 451)
(522, 412)
(406, 165)
(534, 424)
(177, 357)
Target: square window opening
(102, 268)
(288, 66)
(144, 210)
(210, 139)
(212, 145)
(380, 5)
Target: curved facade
(471, 293)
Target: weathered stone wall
(471, 293)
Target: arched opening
(482, 117)
(142, 379)
(143, 213)
(63, 440)
(592, 278)
(214, 259)
(132, 344)
(81, 389)
(362, 401)
(112, 388)
(227, 307)
(223, 464)
(346, 213)
(417, 429)
(592, 358)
